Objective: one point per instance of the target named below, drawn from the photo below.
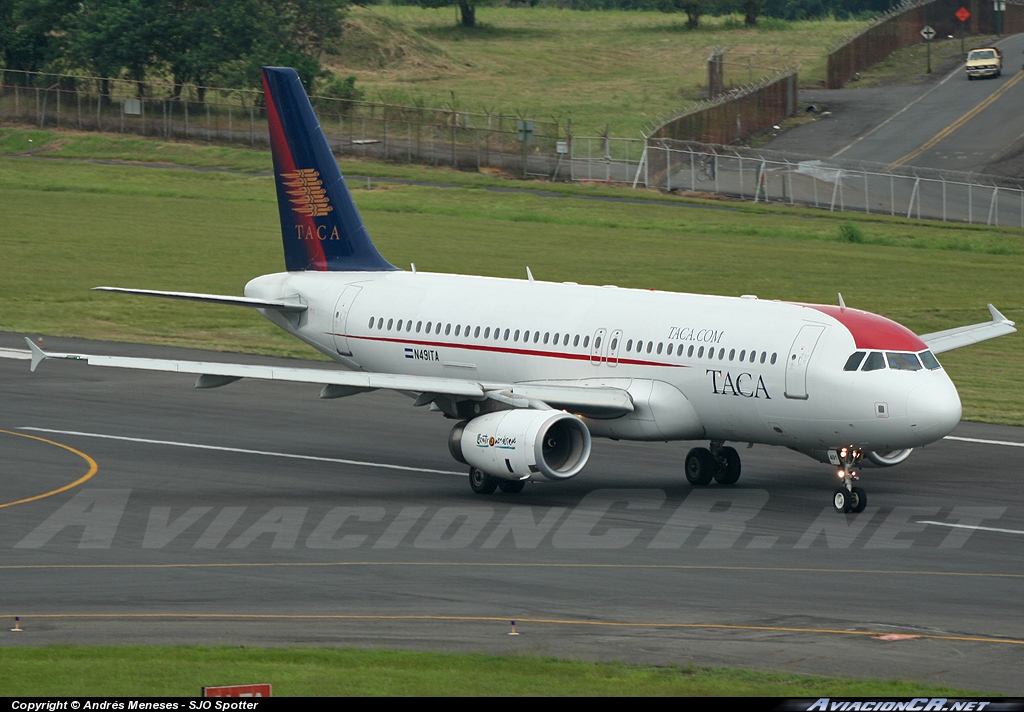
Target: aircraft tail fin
(320, 225)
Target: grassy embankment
(616, 68)
(136, 671)
(68, 226)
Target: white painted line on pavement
(983, 442)
(243, 451)
(971, 526)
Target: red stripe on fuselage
(282, 153)
(505, 350)
(871, 331)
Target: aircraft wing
(339, 383)
(942, 341)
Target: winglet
(38, 355)
(998, 317)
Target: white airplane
(531, 370)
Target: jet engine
(888, 459)
(517, 444)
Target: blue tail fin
(320, 225)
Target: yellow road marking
(93, 467)
(498, 564)
(503, 619)
(930, 143)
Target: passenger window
(391, 322)
(458, 328)
(743, 355)
(418, 325)
(586, 341)
(565, 340)
(430, 326)
(853, 363)
(659, 348)
(506, 334)
(721, 354)
(764, 355)
(546, 335)
(526, 336)
(650, 346)
(536, 336)
(515, 337)
(476, 333)
(930, 362)
(399, 326)
(753, 356)
(597, 343)
(689, 351)
(874, 362)
(732, 354)
(380, 323)
(903, 362)
(576, 341)
(774, 357)
(447, 329)
(700, 352)
(372, 319)
(629, 345)
(615, 344)
(679, 351)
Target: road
(257, 514)
(953, 115)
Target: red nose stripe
(871, 331)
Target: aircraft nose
(934, 410)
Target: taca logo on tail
(320, 225)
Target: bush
(848, 232)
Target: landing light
(840, 474)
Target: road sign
(928, 33)
(963, 14)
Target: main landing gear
(848, 498)
(718, 463)
(482, 483)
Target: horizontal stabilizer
(942, 341)
(281, 306)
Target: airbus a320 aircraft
(532, 370)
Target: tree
(111, 36)
(751, 9)
(693, 9)
(32, 32)
(467, 9)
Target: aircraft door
(598, 347)
(614, 343)
(799, 358)
(341, 312)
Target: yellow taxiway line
(504, 619)
(931, 143)
(93, 468)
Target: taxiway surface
(257, 514)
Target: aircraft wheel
(730, 473)
(481, 482)
(511, 486)
(700, 466)
(859, 500)
(841, 500)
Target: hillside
(615, 68)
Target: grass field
(137, 671)
(68, 226)
(616, 68)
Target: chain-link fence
(419, 134)
(736, 114)
(901, 27)
(837, 185)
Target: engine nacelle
(520, 443)
(888, 459)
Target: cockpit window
(930, 362)
(903, 362)
(874, 361)
(853, 363)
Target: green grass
(183, 671)
(68, 226)
(615, 68)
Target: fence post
(142, 109)
(207, 118)
(993, 206)
(913, 194)
(867, 199)
(231, 125)
(79, 95)
(970, 200)
(892, 196)
(943, 199)
(252, 127)
(186, 118)
(58, 103)
(693, 174)
(668, 169)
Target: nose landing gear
(848, 498)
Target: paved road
(256, 514)
(885, 124)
